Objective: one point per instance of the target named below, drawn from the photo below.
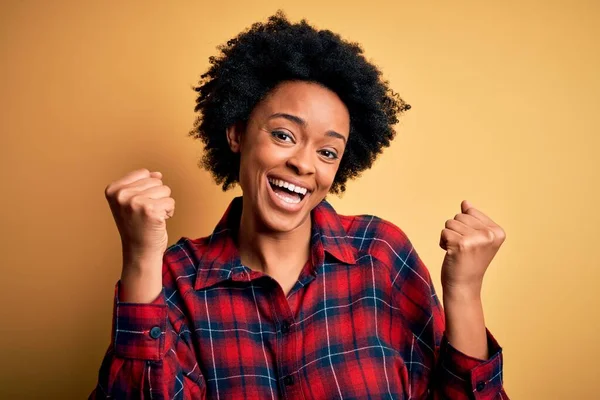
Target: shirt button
(480, 386)
(285, 327)
(288, 380)
(155, 332)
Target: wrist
(464, 294)
(141, 278)
(141, 260)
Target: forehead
(312, 102)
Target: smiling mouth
(287, 192)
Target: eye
(282, 136)
(329, 154)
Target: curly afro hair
(250, 65)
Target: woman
(287, 298)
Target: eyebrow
(301, 122)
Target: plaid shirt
(362, 322)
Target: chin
(281, 212)
(275, 222)
(283, 221)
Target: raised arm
(151, 353)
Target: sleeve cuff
(139, 329)
(484, 376)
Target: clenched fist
(471, 241)
(141, 204)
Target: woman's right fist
(141, 205)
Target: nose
(301, 162)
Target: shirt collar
(220, 259)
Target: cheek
(326, 176)
(249, 167)
(256, 161)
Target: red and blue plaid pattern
(362, 322)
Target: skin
(298, 132)
(471, 241)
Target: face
(290, 151)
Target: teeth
(288, 199)
(288, 186)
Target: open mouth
(287, 192)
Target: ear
(234, 137)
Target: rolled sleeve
(139, 329)
(483, 377)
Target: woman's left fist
(471, 241)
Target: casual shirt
(362, 321)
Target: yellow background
(506, 106)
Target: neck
(281, 255)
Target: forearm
(465, 324)
(141, 278)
